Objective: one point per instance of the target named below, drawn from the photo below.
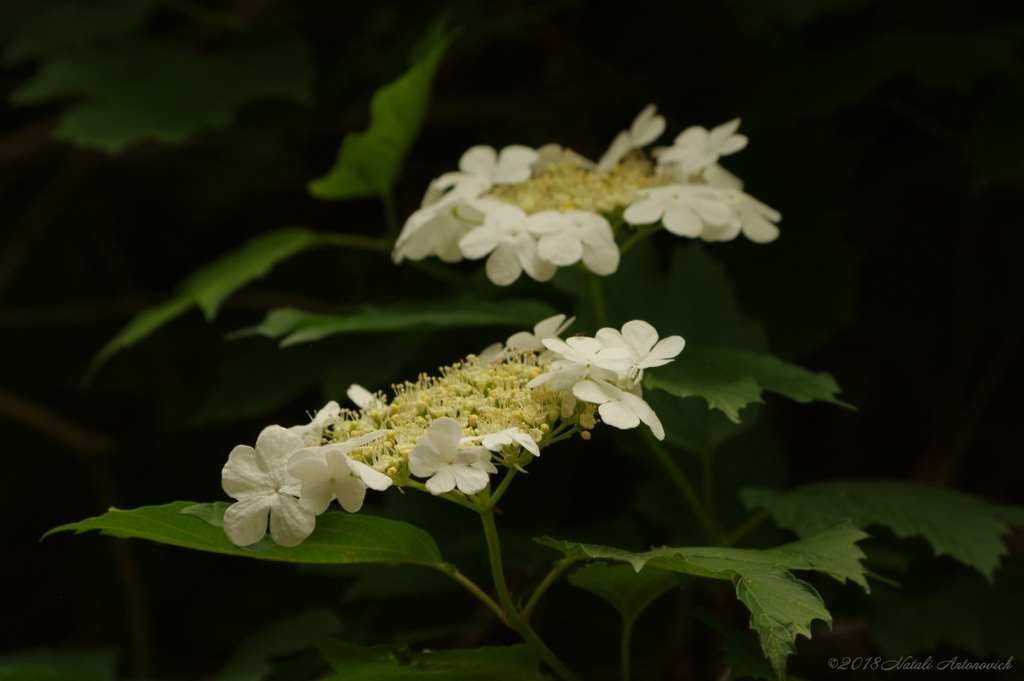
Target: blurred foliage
(146, 142)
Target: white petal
(350, 492)
(562, 248)
(647, 127)
(315, 497)
(445, 433)
(592, 392)
(618, 415)
(524, 340)
(527, 443)
(245, 522)
(479, 242)
(601, 257)
(243, 473)
(443, 481)
(362, 397)
(373, 479)
(504, 267)
(640, 336)
(682, 221)
(308, 465)
(469, 480)
(274, 447)
(513, 164)
(479, 161)
(645, 211)
(620, 146)
(289, 523)
(645, 414)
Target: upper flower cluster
(451, 429)
(537, 210)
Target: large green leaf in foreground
(386, 663)
(964, 527)
(210, 285)
(296, 326)
(781, 606)
(338, 537)
(731, 379)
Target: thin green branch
(556, 571)
(454, 497)
(677, 477)
(471, 586)
(752, 521)
(625, 648)
(640, 233)
(505, 598)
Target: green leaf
(731, 379)
(628, 591)
(251, 661)
(969, 614)
(302, 327)
(386, 663)
(133, 87)
(964, 527)
(781, 606)
(338, 537)
(211, 284)
(369, 162)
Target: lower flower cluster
(502, 407)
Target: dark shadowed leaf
(386, 663)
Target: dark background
(890, 135)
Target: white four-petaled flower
(505, 236)
(619, 408)
(259, 479)
(437, 455)
(327, 473)
(312, 432)
(567, 238)
(552, 327)
(696, 148)
(646, 128)
(640, 340)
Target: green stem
(504, 483)
(556, 571)
(471, 586)
(505, 598)
(676, 474)
(641, 232)
(752, 521)
(453, 497)
(597, 298)
(625, 648)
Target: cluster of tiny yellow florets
(484, 396)
(567, 186)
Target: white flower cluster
(537, 210)
(450, 429)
